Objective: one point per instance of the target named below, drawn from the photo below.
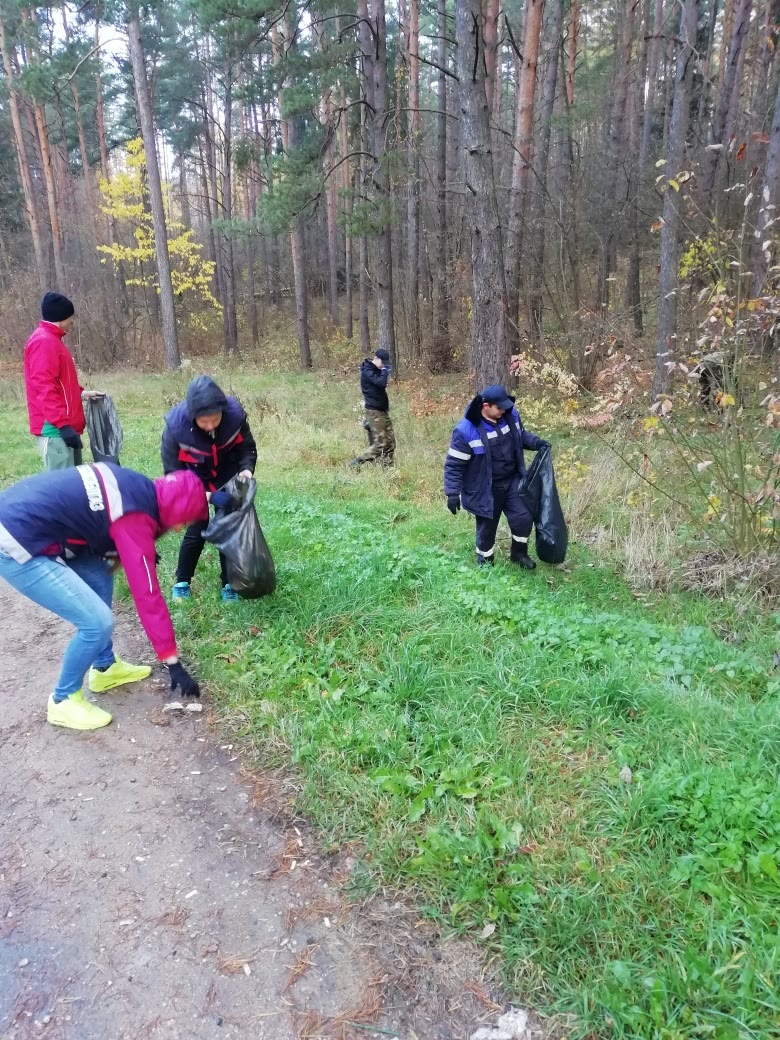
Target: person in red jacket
(53, 392)
(61, 536)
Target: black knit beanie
(56, 307)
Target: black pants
(507, 500)
(189, 553)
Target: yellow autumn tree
(122, 200)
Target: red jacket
(53, 390)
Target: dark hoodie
(468, 468)
(373, 381)
(216, 456)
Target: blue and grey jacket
(468, 470)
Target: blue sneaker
(229, 595)
(181, 590)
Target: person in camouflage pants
(373, 384)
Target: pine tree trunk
(489, 353)
(51, 195)
(633, 283)
(414, 145)
(491, 51)
(367, 87)
(770, 198)
(378, 122)
(678, 127)
(615, 158)
(652, 78)
(291, 140)
(540, 188)
(521, 162)
(725, 101)
(331, 195)
(25, 177)
(572, 44)
(441, 353)
(168, 311)
(231, 321)
(348, 187)
(184, 195)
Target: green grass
(468, 729)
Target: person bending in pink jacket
(62, 534)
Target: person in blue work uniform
(483, 468)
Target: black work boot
(519, 554)
(484, 561)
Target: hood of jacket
(181, 499)
(474, 411)
(204, 397)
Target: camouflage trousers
(381, 436)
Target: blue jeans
(79, 591)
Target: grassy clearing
(584, 781)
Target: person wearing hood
(54, 395)
(207, 433)
(374, 373)
(484, 465)
(62, 535)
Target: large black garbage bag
(239, 537)
(541, 496)
(104, 429)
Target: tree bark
(678, 127)
(25, 177)
(331, 196)
(539, 195)
(572, 43)
(489, 353)
(367, 87)
(168, 310)
(229, 304)
(616, 154)
(636, 93)
(490, 33)
(413, 164)
(521, 162)
(770, 197)
(378, 127)
(441, 352)
(725, 105)
(291, 139)
(654, 56)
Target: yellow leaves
(122, 199)
(650, 423)
(673, 184)
(724, 400)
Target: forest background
(581, 776)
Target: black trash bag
(104, 429)
(541, 496)
(239, 537)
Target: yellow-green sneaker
(117, 674)
(75, 712)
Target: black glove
(223, 501)
(453, 503)
(181, 677)
(70, 437)
(544, 444)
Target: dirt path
(148, 891)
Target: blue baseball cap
(497, 395)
